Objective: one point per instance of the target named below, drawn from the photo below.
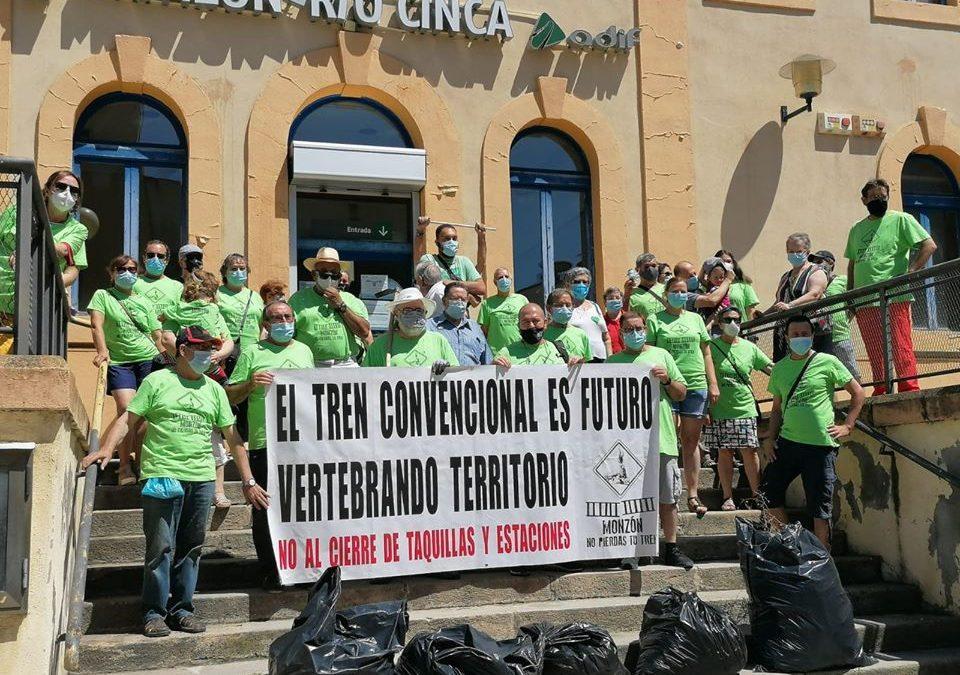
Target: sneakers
(186, 624)
(674, 557)
(156, 628)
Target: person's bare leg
(690, 428)
(125, 475)
(821, 528)
(725, 470)
(668, 521)
(751, 464)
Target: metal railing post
(887, 342)
(23, 328)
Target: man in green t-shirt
(802, 438)
(499, 313)
(453, 267)
(560, 311)
(532, 349)
(408, 343)
(333, 323)
(643, 292)
(162, 291)
(181, 407)
(672, 388)
(250, 380)
(878, 249)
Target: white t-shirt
(588, 317)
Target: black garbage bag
(575, 649)
(464, 650)
(800, 616)
(683, 635)
(357, 641)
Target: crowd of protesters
(190, 361)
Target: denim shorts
(694, 405)
(128, 375)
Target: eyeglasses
(127, 269)
(729, 319)
(327, 275)
(60, 187)
(150, 255)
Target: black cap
(823, 255)
(195, 335)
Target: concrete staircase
(243, 619)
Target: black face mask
(531, 336)
(877, 207)
(650, 274)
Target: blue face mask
(796, 259)
(580, 291)
(126, 280)
(693, 284)
(456, 309)
(155, 266)
(677, 300)
(237, 277)
(635, 339)
(561, 315)
(503, 284)
(801, 345)
(200, 363)
(614, 306)
(449, 247)
(282, 332)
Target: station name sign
(472, 18)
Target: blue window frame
(350, 121)
(552, 217)
(931, 195)
(131, 153)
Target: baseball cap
(189, 248)
(195, 335)
(823, 255)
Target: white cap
(409, 295)
(189, 248)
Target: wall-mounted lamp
(807, 73)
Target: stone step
(908, 632)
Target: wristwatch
(341, 308)
(250, 483)
(668, 382)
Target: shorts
(128, 375)
(731, 434)
(844, 351)
(694, 405)
(671, 480)
(816, 464)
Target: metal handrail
(906, 452)
(78, 581)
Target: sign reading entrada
(471, 18)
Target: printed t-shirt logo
(287, 364)
(416, 358)
(154, 295)
(189, 401)
(619, 468)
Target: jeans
(175, 530)
(261, 526)
(901, 336)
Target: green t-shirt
(574, 339)
(683, 337)
(322, 329)
(232, 305)
(198, 313)
(880, 248)
(420, 352)
(736, 398)
(839, 320)
(499, 316)
(71, 232)
(260, 356)
(743, 297)
(127, 324)
(654, 356)
(810, 411)
(522, 354)
(163, 292)
(646, 301)
(181, 415)
(461, 266)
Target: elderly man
(643, 291)
(408, 344)
(463, 333)
(453, 267)
(190, 259)
(333, 323)
(532, 349)
(427, 277)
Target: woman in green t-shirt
(240, 307)
(126, 334)
(733, 418)
(742, 296)
(684, 335)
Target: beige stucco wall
(39, 403)
(756, 183)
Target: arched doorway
(131, 153)
(550, 197)
(931, 195)
(355, 182)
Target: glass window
(546, 150)
(128, 121)
(352, 122)
(926, 175)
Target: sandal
(125, 475)
(728, 505)
(694, 505)
(221, 502)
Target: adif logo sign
(548, 33)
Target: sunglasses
(151, 256)
(60, 187)
(127, 269)
(327, 275)
(729, 319)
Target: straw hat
(325, 254)
(409, 295)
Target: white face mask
(61, 202)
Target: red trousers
(901, 326)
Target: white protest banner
(393, 471)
